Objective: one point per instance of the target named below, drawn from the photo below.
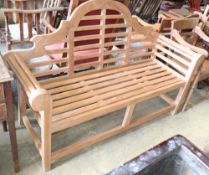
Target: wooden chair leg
(21, 103)
(8, 42)
(46, 140)
(4, 124)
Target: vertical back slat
(37, 22)
(102, 39)
(30, 25)
(21, 22)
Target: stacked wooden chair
(21, 25)
(163, 25)
(145, 9)
(144, 68)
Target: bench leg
(128, 115)
(21, 103)
(46, 140)
(190, 93)
(181, 94)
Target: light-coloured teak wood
(27, 22)
(188, 32)
(97, 79)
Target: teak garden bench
(118, 78)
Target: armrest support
(38, 97)
(147, 31)
(141, 21)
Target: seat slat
(105, 86)
(115, 95)
(122, 99)
(105, 77)
(91, 93)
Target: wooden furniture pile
(165, 19)
(22, 23)
(140, 69)
(145, 9)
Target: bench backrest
(131, 48)
(105, 58)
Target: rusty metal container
(175, 156)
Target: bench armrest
(38, 97)
(180, 40)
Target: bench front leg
(46, 139)
(41, 101)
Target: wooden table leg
(4, 123)
(11, 124)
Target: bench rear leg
(22, 104)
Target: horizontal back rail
(177, 58)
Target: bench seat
(85, 97)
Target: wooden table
(7, 111)
(180, 12)
(175, 14)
